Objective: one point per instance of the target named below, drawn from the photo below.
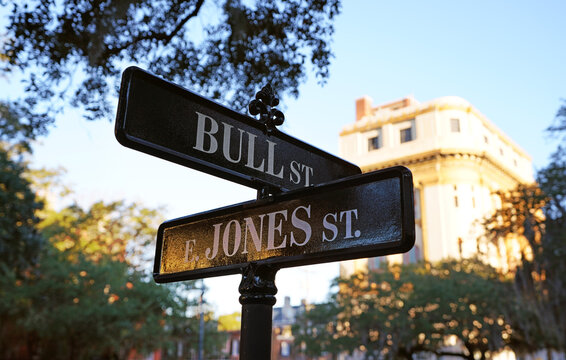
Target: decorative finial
(263, 104)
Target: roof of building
(369, 117)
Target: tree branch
(159, 36)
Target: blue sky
(505, 57)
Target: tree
(80, 298)
(20, 241)
(84, 297)
(450, 308)
(187, 333)
(552, 177)
(537, 214)
(519, 218)
(116, 229)
(72, 307)
(72, 284)
(230, 322)
(19, 126)
(225, 50)
(183, 342)
(318, 331)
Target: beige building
(458, 158)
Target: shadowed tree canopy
(73, 51)
(20, 241)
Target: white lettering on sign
(301, 225)
(230, 143)
(329, 223)
(298, 171)
(201, 132)
(189, 246)
(264, 232)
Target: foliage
(72, 51)
(186, 332)
(184, 326)
(520, 217)
(116, 229)
(18, 125)
(230, 322)
(79, 298)
(552, 177)
(317, 331)
(20, 242)
(537, 214)
(72, 284)
(72, 307)
(408, 309)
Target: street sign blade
(165, 120)
(365, 215)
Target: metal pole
(257, 296)
(201, 324)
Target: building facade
(458, 158)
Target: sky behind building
(505, 57)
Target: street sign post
(165, 120)
(321, 207)
(362, 216)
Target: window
(406, 135)
(285, 349)
(373, 138)
(455, 125)
(374, 143)
(501, 151)
(235, 347)
(485, 139)
(407, 130)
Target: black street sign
(165, 120)
(362, 216)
